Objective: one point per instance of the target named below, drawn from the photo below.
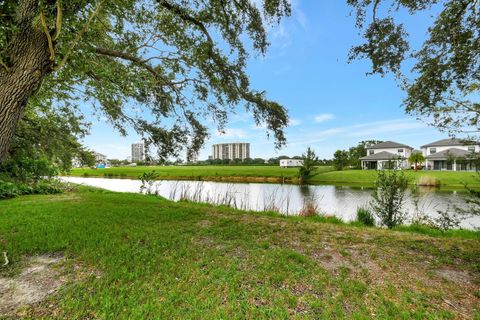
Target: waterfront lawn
(448, 179)
(195, 172)
(152, 258)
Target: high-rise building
(138, 152)
(231, 151)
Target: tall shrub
(340, 159)
(389, 196)
(148, 181)
(307, 170)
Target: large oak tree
(173, 62)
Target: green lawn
(156, 259)
(274, 173)
(367, 177)
(194, 171)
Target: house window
(471, 148)
(370, 152)
(433, 150)
(400, 150)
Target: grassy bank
(157, 259)
(367, 178)
(326, 175)
(195, 172)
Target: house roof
(389, 144)
(384, 155)
(449, 142)
(450, 152)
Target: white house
(450, 154)
(288, 163)
(100, 158)
(385, 155)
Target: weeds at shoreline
(365, 216)
(428, 181)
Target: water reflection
(288, 199)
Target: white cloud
(314, 137)
(323, 117)
(240, 117)
(282, 35)
(292, 122)
(232, 133)
(301, 18)
(370, 130)
(391, 126)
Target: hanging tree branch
(265, 108)
(47, 33)
(59, 20)
(79, 36)
(4, 65)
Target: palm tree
(416, 158)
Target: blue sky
(332, 104)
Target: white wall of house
(406, 152)
(428, 150)
(285, 163)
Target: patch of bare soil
(40, 277)
(457, 276)
(204, 224)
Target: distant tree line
(246, 161)
(261, 161)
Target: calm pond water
(288, 199)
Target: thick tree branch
(137, 61)
(126, 56)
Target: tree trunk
(29, 62)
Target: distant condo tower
(138, 151)
(231, 151)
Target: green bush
(10, 190)
(26, 169)
(365, 217)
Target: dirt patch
(40, 278)
(456, 276)
(332, 261)
(204, 223)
